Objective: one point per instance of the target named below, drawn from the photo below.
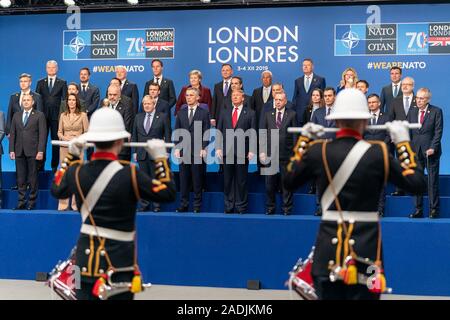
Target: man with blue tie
(319, 117)
(89, 93)
(392, 90)
(191, 148)
(236, 148)
(222, 93)
(304, 86)
(149, 124)
(378, 118)
(15, 101)
(28, 139)
(426, 142)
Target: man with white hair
(107, 191)
(128, 88)
(263, 94)
(53, 91)
(348, 246)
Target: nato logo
(76, 45)
(349, 39)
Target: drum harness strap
(347, 270)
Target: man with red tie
(426, 142)
(236, 148)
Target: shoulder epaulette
(125, 162)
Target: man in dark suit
(162, 106)
(167, 89)
(263, 94)
(304, 86)
(28, 138)
(221, 93)
(278, 120)
(128, 88)
(53, 90)
(89, 93)
(191, 152)
(318, 117)
(270, 105)
(15, 100)
(378, 118)
(149, 124)
(426, 142)
(400, 108)
(236, 148)
(126, 111)
(392, 90)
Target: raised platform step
(304, 204)
(221, 250)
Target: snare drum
(301, 280)
(62, 278)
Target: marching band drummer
(107, 191)
(347, 256)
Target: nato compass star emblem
(350, 40)
(77, 45)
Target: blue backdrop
(251, 40)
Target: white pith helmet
(106, 125)
(350, 104)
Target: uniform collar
(347, 132)
(104, 156)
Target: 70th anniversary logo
(119, 44)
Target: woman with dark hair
(72, 124)
(315, 103)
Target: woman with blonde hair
(195, 81)
(349, 79)
(72, 124)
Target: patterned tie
(191, 115)
(373, 121)
(422, 116)
(147, 123)
(50, 85)
(25, 119)
(234, 118)
(406, 105)
(225, 88)
(308, 83)
(279, 120)
(265, 94)
(395, 90)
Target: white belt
(351, 216)
(107, 233)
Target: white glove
(312, 130)
(156, 148)
(398, 130)
(76, 146)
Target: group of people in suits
(229, 108)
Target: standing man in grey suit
(89, 93)
(304, 86)
(279, 120)
(149, 124)
(27, 145)
(166, 87)
(15, 100)
(426, 142)
(2, 135)
(53, 90)
(392, 90)
(125, 111)
(128, 88)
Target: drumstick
(373, 127)
(126, 144)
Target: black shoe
(196, 210)
(30, 208)
(318, 212)
(242, 211)
(416, 214)
(19, 207)
(381, 213)
(182, 209)
(143, 209)
(311, 191)
(269, 212)
(286, 212)
(230, 211)
(64, 209)
(157, 209)
(15, 187)
(398, 193)
(434, 214)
